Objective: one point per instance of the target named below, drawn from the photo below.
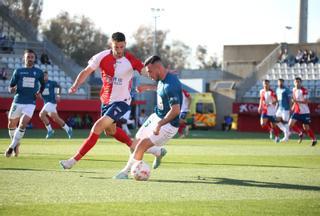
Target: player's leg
(43, 116)
(118, 134)
(24, 114)
(56, 118)
(112, 114)
(18, 135)
(97, 129)
(12, 126)
(294, 127)
(308, 130)
(265, 124)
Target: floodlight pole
(156, 14)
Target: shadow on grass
(238, 165)
(241, 183)
(45, 170)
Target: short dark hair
(298, 79)
(29, 51)
(266, 81)
(45, 72)
(281, 80)
(151, 60)
(118, 37)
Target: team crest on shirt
(34, 73)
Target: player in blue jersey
(283, 109)
(25, 84)
(50, 99)
(162, 125)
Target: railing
(259, 71)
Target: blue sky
(211, 23)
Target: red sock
(296, 129)
(182, 126)
(121, 136)
(311, 134)
(86, 146)
(267, 127)
(276, 131)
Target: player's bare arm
(173, 112)
(80, 79)
(146, 87)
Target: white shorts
(17, 110)
(167, 131)
(50, 107)
(284, 114)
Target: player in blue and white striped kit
(25, 84)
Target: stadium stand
(309, 73)
(16, 36)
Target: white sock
(19, 133)
(155, 150)
(130, 162)
(65, 127)
(281, 126)
(49, 128)
(11, 132)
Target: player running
(25, 84)
(50, 107)
(117, 68)
(301, 111)
(283, 109)
(267, 109)
(162, 125)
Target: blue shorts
(115, 110)
(183, 115)
(304, 118)
(270, 118)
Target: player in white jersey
(300, 109)
(117, 68)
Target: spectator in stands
(312, 58)
(305, 57)
(87, 121)
(4, 74)
(283, 56)
(299, 57)
(227, 123)
(44, 58)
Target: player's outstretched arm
(146, 87)
(80, 79)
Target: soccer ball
(140, 171)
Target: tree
(76, 36)
(174, 55)
(205, 60)
(30, 10)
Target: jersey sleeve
(172, 92)
(135, 62)
(14, 78)
(95, 60)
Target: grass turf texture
(212, 173)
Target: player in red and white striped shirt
(117, 68)
(267, 109)
(300, 109)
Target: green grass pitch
(211, 173)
